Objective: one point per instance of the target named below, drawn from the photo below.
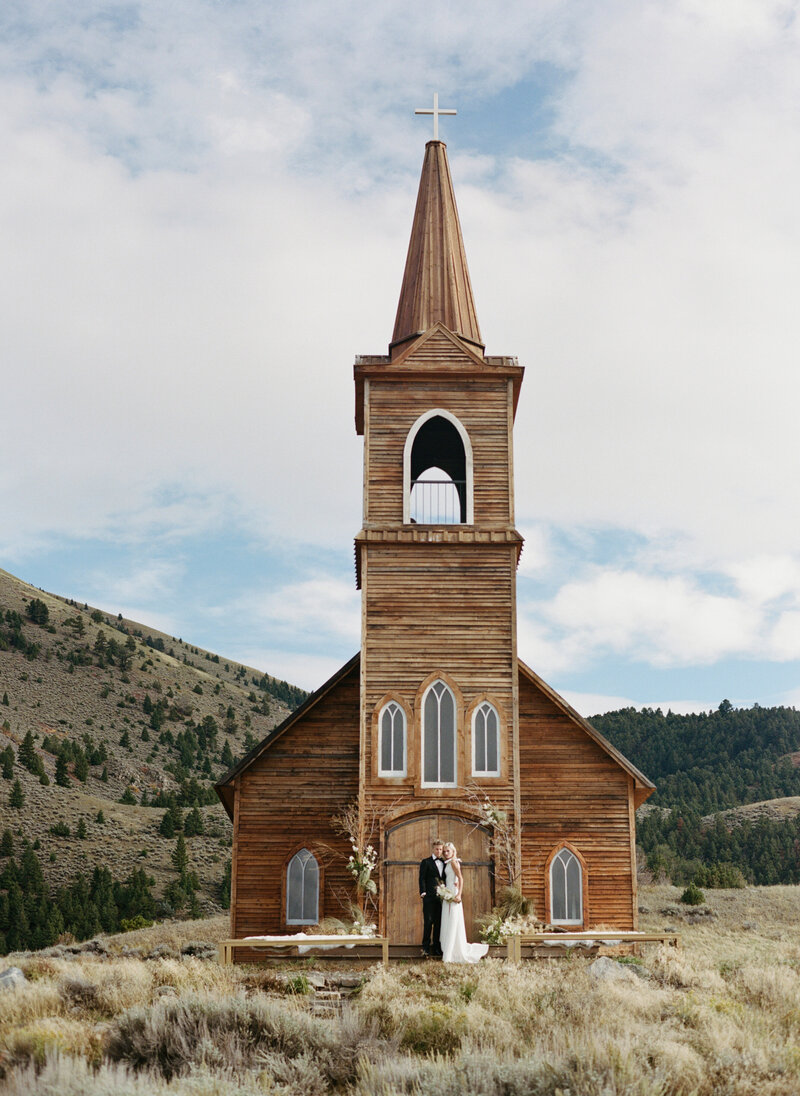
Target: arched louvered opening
(566, 889)
(438, 472)
(302, 889)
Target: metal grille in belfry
(437, 502)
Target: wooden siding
(480, 405)
(572, 792)
(285, 801)
(438, 610)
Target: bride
(453, 934)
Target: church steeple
(436, 286)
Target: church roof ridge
(436, 284)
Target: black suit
(429, 880)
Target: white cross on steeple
(435, 112)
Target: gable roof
(643, 786)
(225, 787)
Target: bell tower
(437, 555)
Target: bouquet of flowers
(445, 893)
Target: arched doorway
(408, 842)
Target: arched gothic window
(485, 741)
(302, 889)
(439, 737)
(392, 723)
(566, 889)
(437, 471)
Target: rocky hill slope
(100, 718)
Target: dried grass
(719, 1017)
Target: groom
(431, 874)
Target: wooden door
(409, 842)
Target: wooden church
(437, 709)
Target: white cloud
(319, 609)
(306, 670)
(143, 584)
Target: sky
(205, 209)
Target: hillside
(727, 784)
(116, 710)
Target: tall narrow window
(393, 741)
(485, 741)
(302, 889)
(566, 889)
(439, 736)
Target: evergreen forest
(704, 764)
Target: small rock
(347, 981)
(11, 977)
(607, 970)
(644, 909)
(316, 980)
(669, 928)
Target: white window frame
(302, 920)
(437, 783)
(403, 770)
(562, 866)
(475, 770)
(409, 445)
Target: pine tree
(104, 774)
(226, 757)
(5, 699)
(6, 844)
(62, 772)
(38, 612)
(128, 796)
(17, 797)
(124, 740)
(194, 823)
(177, 816)
(100, 818)
(81, 766)
(8, 763)
(180, 857)
(81, 830)
(27, 752)
(167, 827)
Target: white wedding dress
(453, 934)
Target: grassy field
(719, 1016)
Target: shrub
(60, 829)
(719, 875)
(693, 896)
(130, 924)
(178, 1035)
